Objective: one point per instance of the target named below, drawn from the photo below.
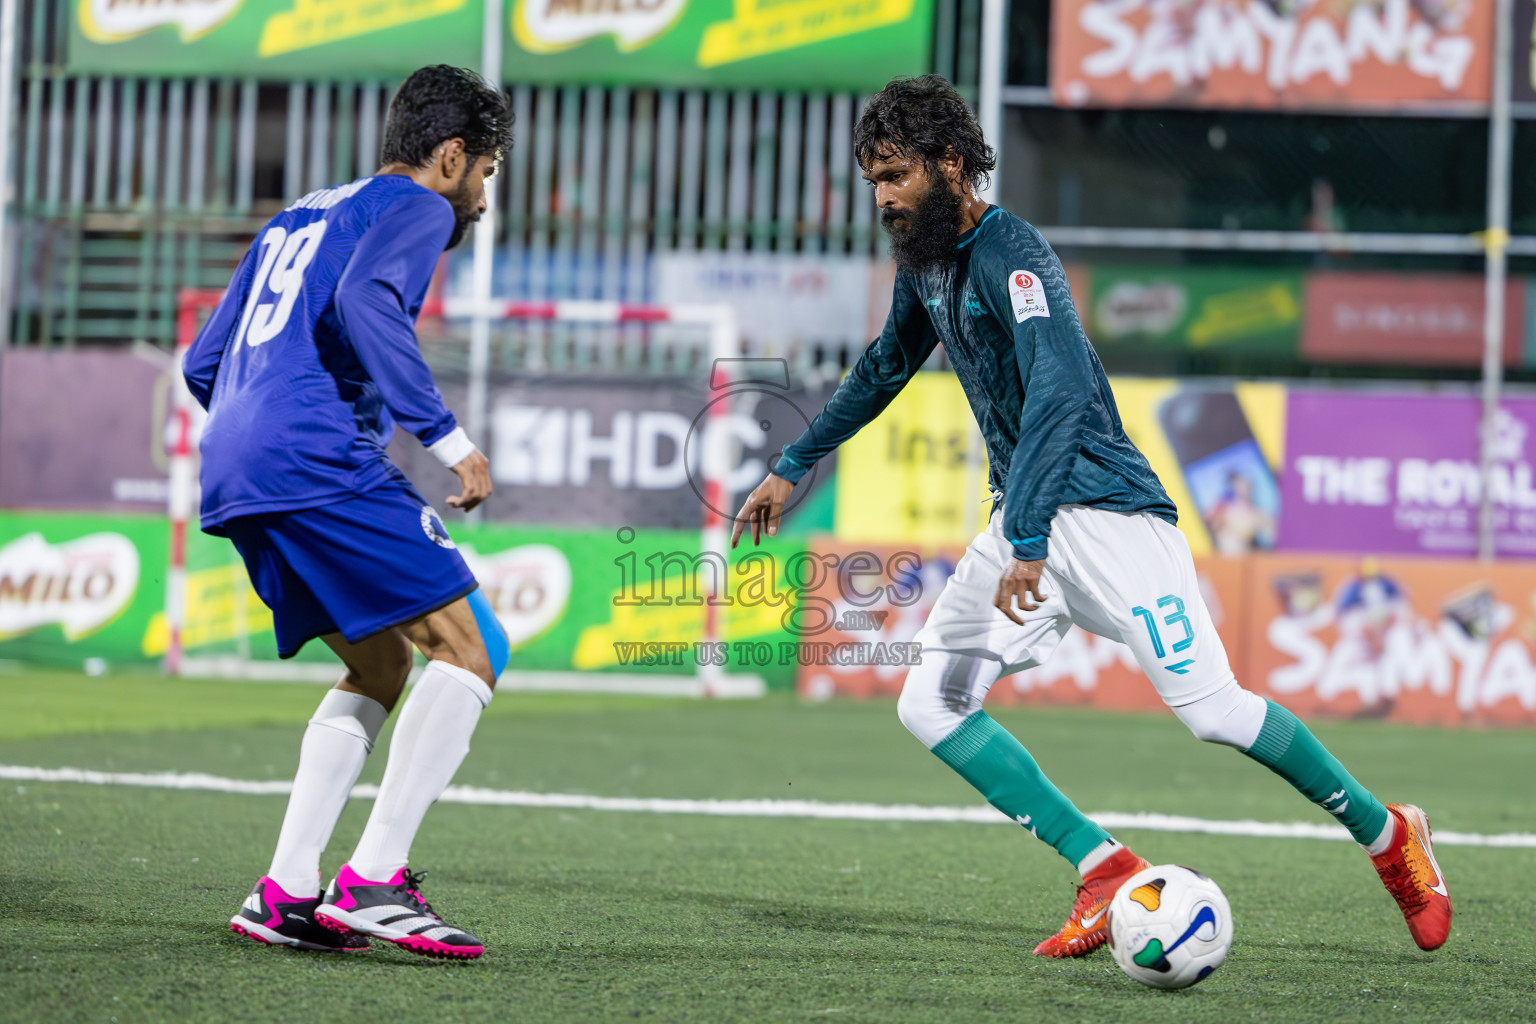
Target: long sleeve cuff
(1031, 549)
(789, 469)
(452, 448)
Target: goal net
(540, 575)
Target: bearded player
(1081, 531)
(305, 367)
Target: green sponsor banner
(587, 600)
(1196, 308)
(822, 44)
(76, 586)
(272, 38)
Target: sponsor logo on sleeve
(1028, 295)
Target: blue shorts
(356, 567)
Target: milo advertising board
(824, 44)
(77, 587)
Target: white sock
(336, 744)
(1383, 842)
(1098, 855)
(429, 744)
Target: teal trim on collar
(970, 236)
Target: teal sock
(1287, 747)
(988, 757)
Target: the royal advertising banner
(1195, 309)
(1374, 55)
(1395, 473)
(825, 44)
(1430, 641)
(1397, 319)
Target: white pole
(485, 252)
(7, 183)
(724, 345)
(989, 110)
(1496, 239)
(989, 99)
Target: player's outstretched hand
(1020, 580)
(762, 509)
(474, 473)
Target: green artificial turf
(113, 901)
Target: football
(1169, 926)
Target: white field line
(982, 815)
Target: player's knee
(1232, 716)
(912, 707)
(938, 695)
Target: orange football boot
(1411, 875)
(1087, 925)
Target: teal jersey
(1005, 316)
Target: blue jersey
(311, 357)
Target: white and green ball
(1169, 927)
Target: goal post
(724, 345)
(194, 305)
(721, 345)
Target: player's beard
(466, 210)
(925, 235)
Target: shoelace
(1418, 868)
(1085, 899)
(412, 886)
(1404, 883)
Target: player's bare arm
(762, 509)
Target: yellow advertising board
(918, 473)
(905, 478)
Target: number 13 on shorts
(1177, 625)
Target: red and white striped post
(723, 345)
(183, 483)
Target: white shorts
(1125, 576)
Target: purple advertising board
(83, 429)
(1399, 474)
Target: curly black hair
(923, 117)
(441, 102)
